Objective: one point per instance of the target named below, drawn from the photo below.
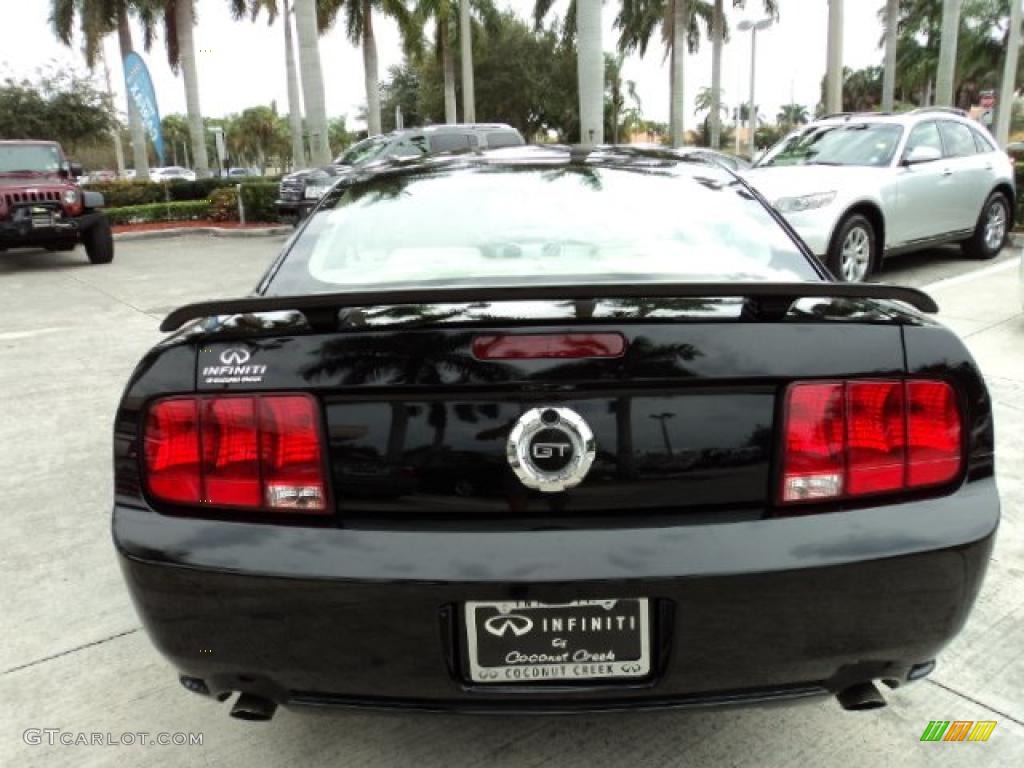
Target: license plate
(530, 642)
(41, 218)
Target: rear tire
(852, 254)
(99, 242)
(992, 229)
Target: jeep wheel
(99, 242)
(990, 233)
(851, 256)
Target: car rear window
(449, 142)
(497, 139)
(983, 142)
(957, 139)
(501, 225)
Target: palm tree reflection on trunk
(662, 418)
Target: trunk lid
(684, 421)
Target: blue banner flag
(142, 95)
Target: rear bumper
(743, 612)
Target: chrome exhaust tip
(253, 708)
(860, 697)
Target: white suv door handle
(947, 171)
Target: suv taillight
(259, 452)
(849, 439)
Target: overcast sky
(241, 64)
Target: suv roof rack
(944, 110)
(769, 300)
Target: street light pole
(753, 26)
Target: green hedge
(119, 194)
(189, 210)
(258, 200)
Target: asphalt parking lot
(74, 657)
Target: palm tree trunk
(892, 15)
(294, 100)
(140, 151)
(312, 81)
(370, 72)
(185, 18)
(115, 134)
(448, 64)
(590, 71)
(946, 75)
(1003, 118)
(834, 70)
(717, 35)
(677, 98)
(466, 43)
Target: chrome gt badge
(551, 449)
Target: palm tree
(719, 33)
(617, 91)
(448, 26)
(590, 71)
(834, 69)
(312, 81)
(466, 54)
(359, 28)
(240, 8)
(946, 75)
(179, 23)
(176, 133)
(892, 18)
(792, 115)
(443, 14)
(97, 19)
(680, 31)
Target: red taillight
(249, 452)
(856, 438)
(933, 431)
(541, 346)
(171, 450)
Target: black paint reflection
(447, 459)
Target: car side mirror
(922, 154)
(75, 170)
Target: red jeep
(43, 206)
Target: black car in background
(609, 438)
(300, 191)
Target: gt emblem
(547, 450)
(550, 449)
(502, 624)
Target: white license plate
(530, 642)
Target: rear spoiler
(768, 300)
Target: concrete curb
(159, 234)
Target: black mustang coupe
(552, 430)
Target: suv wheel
(993, 226)
(851, 256)
(99, 242)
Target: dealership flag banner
(140, 91)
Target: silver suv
(859, 187)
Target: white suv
(858, 187)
